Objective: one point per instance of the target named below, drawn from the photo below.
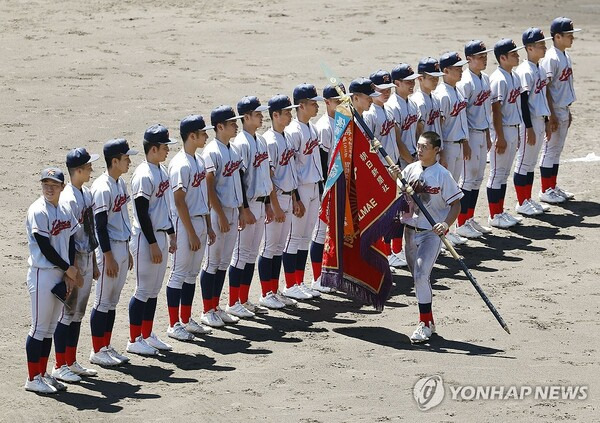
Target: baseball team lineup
(238, 204)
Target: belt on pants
(262, 199)
(286, 192)
(478, 130)
(512, 126)
(416, 229)
(199, 215)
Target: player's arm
(526, 114)
(550, 66)
(215, 203)
(403, 149)
(246, 217)
(142, 205)
(53, 257)
(184, 215)
(110, 264)
(497, 122)
(441, 227)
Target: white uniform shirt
(305, 141)
(255, 164)
(112, 197)
(534, 81)
(476, 90)
(81, 204)
(559, 68)
(406, 114)
(281, 157)
(55, 223)
(430, 114)
(506, 88)
(381, 122)
(439, 191)
(152, 183)
(452, 105)
(326, 134)
(224, 161)
(188, 173)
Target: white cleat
(141, 347)
(155, 342)
(116, 355)
(500, 221)
(255, 308)
(564, 194)
(285, 300)
(316, 286)
(103, 358)
(422, 333)
(179, 332)
(78, 369)
(238, 310)
(271, 301)
(467, 231)
(37, 384)
(226, 317)
(195, 328)
(51, 380)
(478, 227)
(510, 217)
(309, 291)
(401, 256)
(64, 374)
(542, 207)
(527, 209)
(394, 261)
(456, 239)
(296, 293)
(551, 197)
(211, 319)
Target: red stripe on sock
(290, 279)
(173, 315)
(33, 369)
(234, 294)
(553, 179)
(546, 183)
(521, 193)
(244, 291)
(43, 365)
(71, 355)
(134, 332)
(107, 338)
(265, 287)
(98, 342)
(147, 328)
(207, 304)
(396, 245)
(462, 218)
(316, 268)
(299, 276)
(186, 313)
(495, 208)
(60, 360)
(426, 318)
(387, 249)
(274, 285)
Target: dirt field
(79, 73)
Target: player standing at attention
(193, 229)
(430, 118)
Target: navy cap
(363, 86)
(430, 66)
(79, 156)
(562, 25)
(451, 58)
(474, 47)
(505, 46)
(534, 35)
(382, 79)
(117, 147)
(249, 104)
(222, 114)
(158, 134)
(306, 92)
(281, 102)
(404, 72)
(192, 123)
(330, 92)
(53, 173)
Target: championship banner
(358, 208)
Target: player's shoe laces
(226, 317)
(564, 194)
(255, 308)
(78, 369)
(116, 355)
(527, 209)
(456, 239)
(296, 293)
(37, 384)
(478, 227)
(285, 300)
(422, 333)
(511, 218)
(551, 197)
(316, 286)
(179, 332)
(271, 301)
(542, 207)
(466, 231)
(195, 328)
(211, 319)
(141, 347)
(51, 380)
(500, 221)
(64, 374)
(103, 358)
(309, 291)
(238, 310)
(155, 342)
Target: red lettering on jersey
(458, 107)
(231, 167)
(431, 190)
(566, 74)
(120, 201)
(410, 119)
(386, 127)
(83, 213)
(433, 115)
(310, 146)
(514, 94)
(58, 226)
(198, 178)
(482, 97)
(539, 85)
(162, 187)
(259, 158)
(286, 156)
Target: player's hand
(212, 237)
(79, 280)
(194, 241)
(110, 265)
(173, 243)
(394, 170)
(223, 223)
(501, 145)
(130, 263)
(269, 214)
(299, 209)
(553, 120)
(95, 271)
(417, 186)
(278, 214)
(530, 136)
(466, 150)
(248, 217)
(71, 284)
(488, 140)
(548, 130)
(570, 119)
(241, 223)
(440, 228)
(155, 253)
(72, 272)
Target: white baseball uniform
(380, 121)
(430, 114)
(406, 115)
(326, 133)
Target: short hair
(271, 112)
(109, 160)
(432, 138)
(148, 146)
(72, 170)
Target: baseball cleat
(122, 359)
(316, 286)
(78, 369)
(255, 308)
(51, 380)
(466, 231)
(179, 332)
(475, 225)
(226, 317)
(527, 209)
(394, 261)
(197, 329)
(456, 239)
(309, 291)
(211, 319)
(421, 334)
(539, 206)
(515, 219)
(65, 374)
(286, 301)
(500, 221)
(155, 342)
(238, 310)
(37, 384)
(551, 197)
(271, 301)
(564, 194)
(296, 293)
(103, 358)
(401, 258)
(141, 347)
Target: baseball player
(256, 179)
(441, 196)
(229, 207)
(535, 111)
(152, 238)
(283, 200)
(430, 117)
(113, 230)
(79, 199)
(475, 89)
(193, 229)
(455, 130)
(506, 113)
(303, 137)
(561, 94)
(51, 228)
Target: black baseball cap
(534, 35)
(451, 58)
(505, 46)
(281, 102)
(404, 72)
(79, 156)
(474, 47)
(222, 114)
(363, 86)
(116, 147)
(192, 123)
(158, 134)
(330, 91)
(562, 25)
(53, 173)
(430, 66)
(382, 79)
(306, 92)
(249, 104)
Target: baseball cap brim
(460, 63)
(374, 94)
(573, 30)
(410, 77)
(435, 74)
(317, 98)
(53, 178)
(543, 40)
(206, 128)
(385, 86)
(93, 158)
(233, 118)
(486, 51)
(131, 152)
(516, 49)
(262, 108)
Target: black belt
(478, 130)
(162, 230)
(416, 229)
(459, 141)
(262, 199)
(513, 126)
(199, 215)
(286, 192)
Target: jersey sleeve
(273, 154)
(179, 177)
(369, 118)
(549, 66)
(498, 88)
(38, 222)
(209, 161)
(243, 150)
(141, 186)
(444, 102)
(465, 89)
(102, 202)
(325, 137)
(74, 221)
(450, 190)
(294, 138)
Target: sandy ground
(80, 73)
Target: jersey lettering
(433, 115)
(259, 158)
(162, 187)
(310, 146)
(514, 94)
(231, 167)
(431, 190)
(120, 201)
(386, 127)
(58, 226)
(566, 74)
(482, 97)
(410, 119)
(198, 178)
(286, 156)
(458, 107)
(539, 85)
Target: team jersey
(381, 122)
(112, 197)
(81, 203)
(439, 191)
(534, 80)
(151, 182)
(559, 69)
(506, 88)
(255, 164)
(281, 158)
(452, 106)
(406, 115)
(476, 90)
(326, 134)
(430, 114)
(224, 161)
(55, 223)
(188, 173)
(304, 139)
